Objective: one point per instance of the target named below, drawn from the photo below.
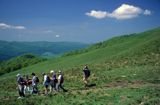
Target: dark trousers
(21, 90)
(34, 89)
(60, 86)
(53, 85)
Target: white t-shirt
(34, 80)
(45, 78)
(59, 77)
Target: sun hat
(18, 75)
(52, 71)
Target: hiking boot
(65, 90)
(20, 97)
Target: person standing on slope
(35, 82)
(28, 85)
(86, 74)
(53, 82)
(46, 82)
(21, 83)
(60, 82)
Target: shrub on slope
(19, 62)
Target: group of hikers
(51, 82)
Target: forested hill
(12, 49)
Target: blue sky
(86, 21)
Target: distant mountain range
(42, 48)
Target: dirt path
(134, 84)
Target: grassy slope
(130, 65)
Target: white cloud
(125, 11)
(18, 27)
(147, 12)
(7, 26)
(48, 31)
(97, 14)
(57, 36)
(4, 26)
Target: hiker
(35, 82)
(53, 82)
(86, 74)
(21, 83)
(46, 82)
(28, 84)
(60, 82)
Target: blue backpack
(48, 79)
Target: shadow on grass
(91, 85)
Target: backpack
(37, 80)
(87, 73)
(21, 81)
(62, 80)
(55, 80)
(48, 79)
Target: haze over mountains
(42, 48)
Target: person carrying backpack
(60, 82)
(35, 81)
(21, 83)
(53, 81)
(86, 74)
(46, 82)
(28, 84)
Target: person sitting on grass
(53, 82)
(60, 82)
(35, 82)
(21, 83)
(86, 74)
(46, 82)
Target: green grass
(129, 65)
